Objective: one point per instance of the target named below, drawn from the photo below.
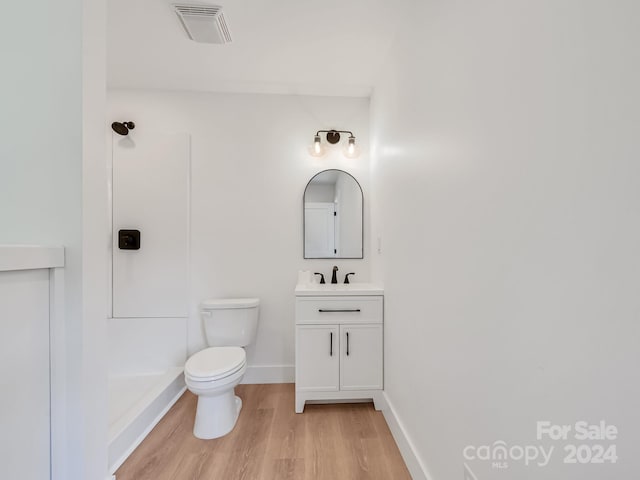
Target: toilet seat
(215, 363)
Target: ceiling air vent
(204, 23)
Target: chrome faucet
(334, 278)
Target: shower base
(136, 405)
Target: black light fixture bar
(333, 136)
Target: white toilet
(212, 373)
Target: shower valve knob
(129, 239)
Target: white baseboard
(416, 468)
(269, 374)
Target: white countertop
(30, 257)
(317, 289)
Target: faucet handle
(321, 276)
(346, 277)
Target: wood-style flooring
(271, 442)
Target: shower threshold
(136, 404)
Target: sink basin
(317, 289)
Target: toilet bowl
(213, 373)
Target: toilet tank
(230, 321)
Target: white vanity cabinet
(339, 349)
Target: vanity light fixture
(351, 148)
(333, 137)
(317, 147)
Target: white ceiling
(322, 47)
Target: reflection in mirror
(333, 216)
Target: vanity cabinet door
(361, 357)
(317, 358)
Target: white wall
(250, 165)
(505, 175)
(40, 151)
(52, 186)
(320, 193)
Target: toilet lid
(215, 362)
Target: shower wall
(150, 194)
(151, 197)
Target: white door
(319, 227)
(361, 357)
(25, 426)
(317, 358)
(151, 194)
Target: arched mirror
(333, 216)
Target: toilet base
(216, 415)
